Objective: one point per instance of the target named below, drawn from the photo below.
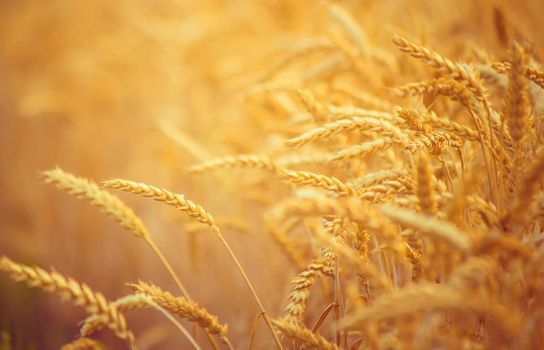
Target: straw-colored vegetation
(370, 178)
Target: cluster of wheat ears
(422, 214)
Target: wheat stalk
(111, 205)
(135, 302)
(195, 211)
(68, 289)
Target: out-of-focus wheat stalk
(400, 182)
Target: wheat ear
(516, 104)
(366, 148)
(68, 289)
(161, 195)
(108, 203)
(435, 228)
(377, 177)
(435, 87)
(533, 74)
(524, 198)
(353, 259)
(243, 161)
(135, 302)
(304, 335)
(182, 307)
(95, 322)
(306, 178)
(318, 110)
(300, 290)
(379, 192)
(425, 185)
(442, 64)
(425, 297)
(343, 125)
(459, 130)
(82, 344)
(461, 73)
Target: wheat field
(271, 174)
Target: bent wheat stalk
(133, 302)
(197, 212)
(111, 205)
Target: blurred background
(143, 89)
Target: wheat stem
(250, 286)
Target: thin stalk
(253, 330)
(250, 286)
